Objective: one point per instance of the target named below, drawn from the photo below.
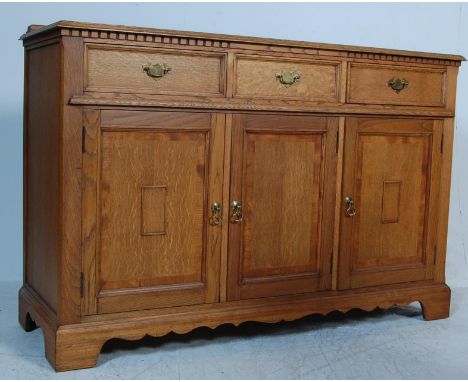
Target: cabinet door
(149, 181)
(283, 173)
(391, 173)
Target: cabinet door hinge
(81, 284)
(83, 139)
(337, 141)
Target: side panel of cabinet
(283, 172)
(391, 172)
(150, 178)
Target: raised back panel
(153, 210)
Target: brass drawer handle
(157, 70)
(216, 217)
(349, 205)
(236, 212)
(288, 78)
(398, 84)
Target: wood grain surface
(368, 84)
(283, 171)
(256, 77)
(78, 346)
(121, 32)
(391, 172)
(122, 170)
(153, 179)
(42, 150)
(119, 69)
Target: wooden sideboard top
(120, 32)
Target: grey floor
(392, 344)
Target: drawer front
(396, 85)
(121, 69)
(277, 78)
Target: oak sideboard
(174, 180)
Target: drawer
(396, 85)
(279, 78)
(154, 71)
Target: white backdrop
(432, 27)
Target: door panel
(283, 174)
(156, 177)
(152, 205)
(391, 172)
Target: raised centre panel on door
(390, 195)
(283, 176)
(149, 179)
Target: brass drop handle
(288, 78)
(216, 217)
(156, 70)
(398, 84)
(349, 205)
(236, 212)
